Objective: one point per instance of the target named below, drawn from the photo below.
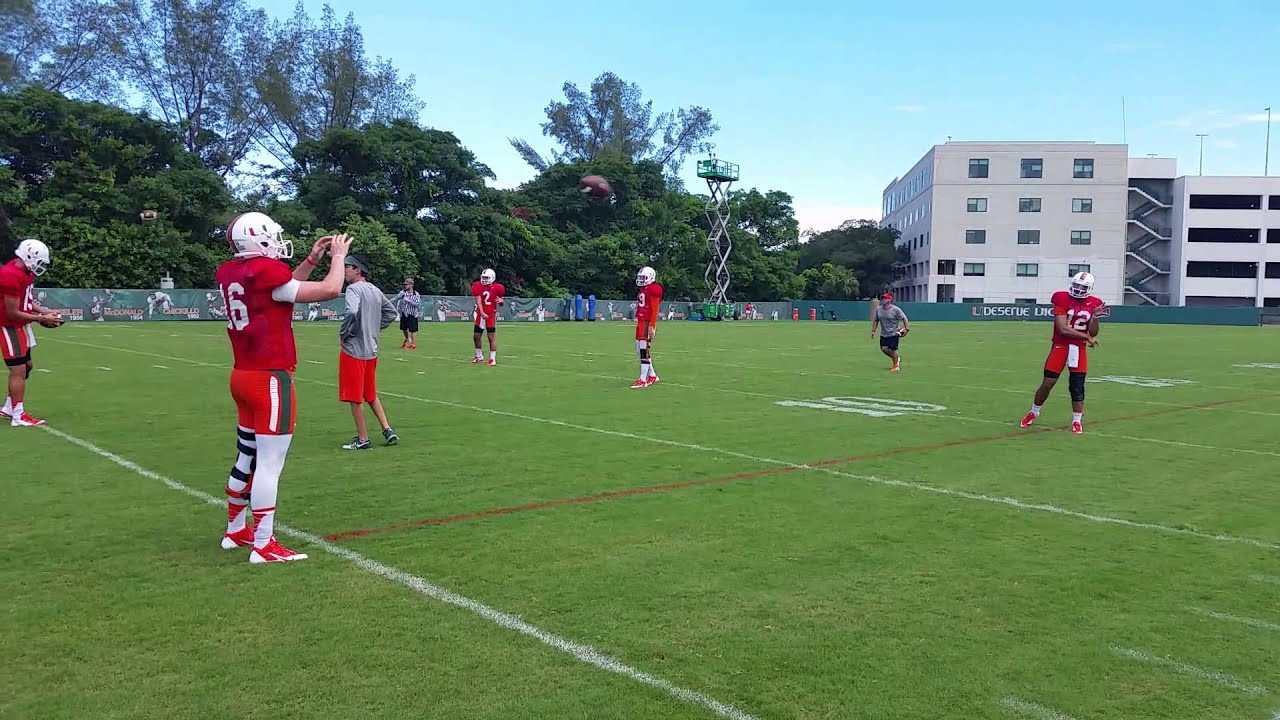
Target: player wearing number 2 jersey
(259, 291)
(648, 302)
(488, 295)
(1073, 313)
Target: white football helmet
(1081, 284)
(254, 233)
(645, 276)
(488, 276)
(34, 254)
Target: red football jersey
(647, 301)
(260, 327)
(16, 281)
(1079, 312)
(489, 295)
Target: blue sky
(829, 101)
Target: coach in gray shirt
(893, 325)
(369, 312)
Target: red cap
(887, 296)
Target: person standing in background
(369, 312)
(408, 304)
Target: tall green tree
(195, 62)
(614, 119)
(83, 173)
(65, 46)
(317, 77)
(862, 246)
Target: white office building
(1011, 221)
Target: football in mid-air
(596, 186)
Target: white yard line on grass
(1267, 579)
(1251, 622)
(584, 653)
(1215, 676)
(872, 479)
(1033, 710)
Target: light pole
(1202, 136)
(1266, 156)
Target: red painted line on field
(750, 475)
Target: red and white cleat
(6, 415)
(1028, 419)
(25, 420)
(274, 552)
(653, 380)
(475, 361)
(241, 538)
(1077, 428)
(492, 362)
(639, 384)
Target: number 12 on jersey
(1079, 319)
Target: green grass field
(546, 543)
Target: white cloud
(822, 218)
(1215, 120)
(1225, 144)
(909, 108)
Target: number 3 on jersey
(1079, 320)
(237, 311)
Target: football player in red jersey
(647, 306)
(18, 309)
(488, 295)
(1074, 310)
(259, 291)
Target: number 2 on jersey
(237, 311)
(1079, 320)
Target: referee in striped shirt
(409, 305)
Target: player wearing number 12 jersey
(1075, 314)
(259, 290)
(648, 301)
(488, 295)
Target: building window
(1024, 301)
(1225, 202)
(946, 293)
(1273, 270)
(1273, 235)
(1028, 237)
(1083, 168)
(1223, 235)
(1222, 269)
(977, 301)
(1032, 167)
(1074, 268)
(977, 204)
(1081, 237)
(1274, 202)
(1028, 270)
(975, 269)
(1029, 205)
(946, 267)
(979, 167)
(1082, 205)
(975, 237)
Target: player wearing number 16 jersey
(259, 291)
(648, 301)
(1075, 316)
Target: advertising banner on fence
(1011, 312)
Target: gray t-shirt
(890, 320)
(369, 312)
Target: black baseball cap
(357, 263)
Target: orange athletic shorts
(265, 400)
(356, 379)
(1061, 358)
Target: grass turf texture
(789, 592)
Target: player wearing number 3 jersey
(1075, 311)
(259, 290)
